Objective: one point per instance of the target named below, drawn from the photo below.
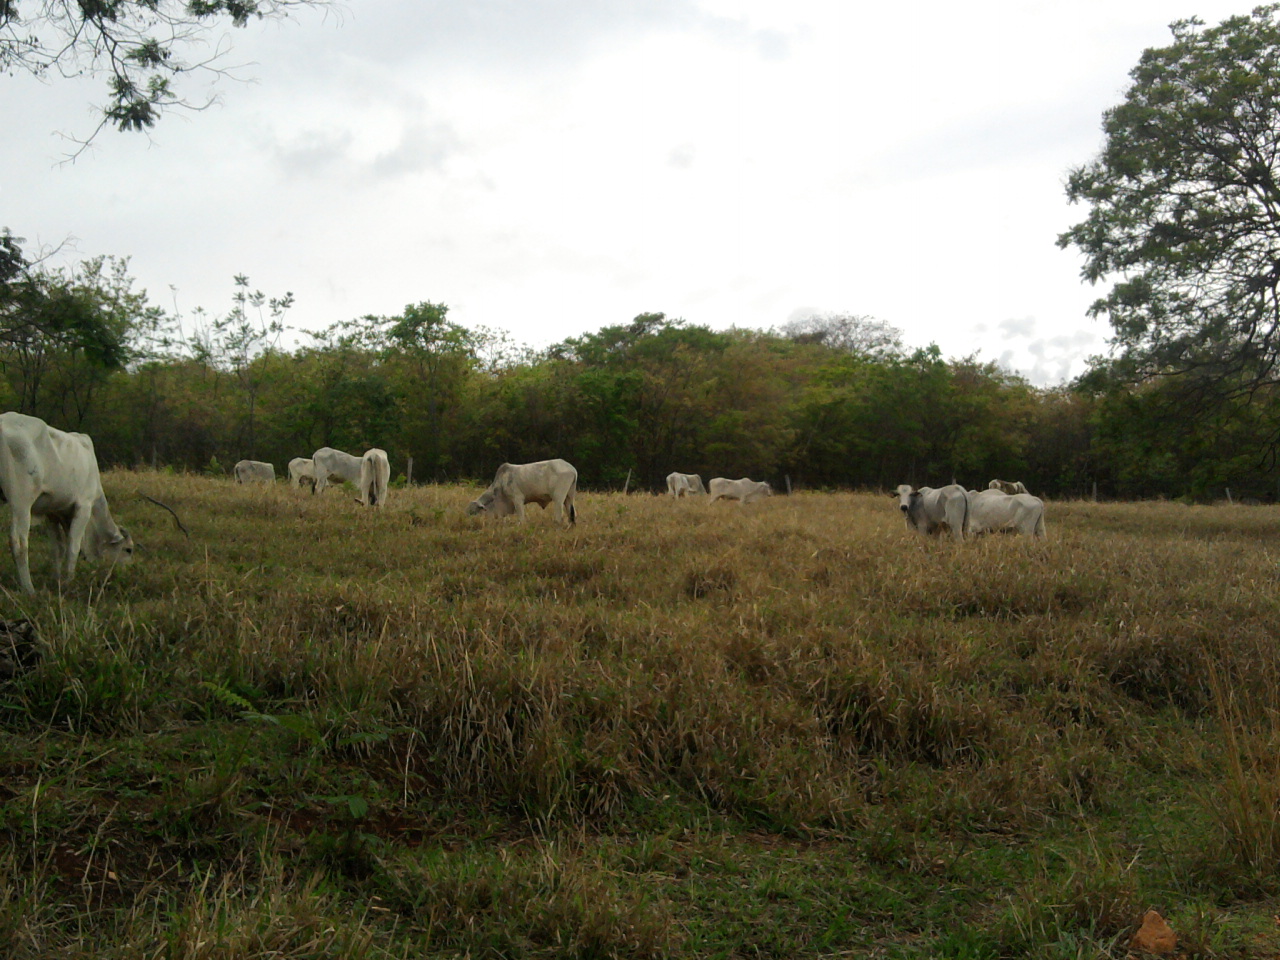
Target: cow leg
(19, 534)
(519, 503)
(58, 537)
(75, 537)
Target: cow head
(104, 538)
(907, 496)
(491, 504)
(116, 546)
(120, 547)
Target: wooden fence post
(408, 472)
(787, 476)
(626, 485)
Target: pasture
(785, 730)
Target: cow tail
(573, 511)
(964, 529)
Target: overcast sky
(549, 167)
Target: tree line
(1183, 222)
(832, 402)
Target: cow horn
(143, 496)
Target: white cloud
(1017, 327)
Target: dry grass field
(786, 730)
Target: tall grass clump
(1245, 802)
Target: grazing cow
(992, 510)
(1007, 486)
(254, 471)
(375, 477)
(515, 484)
(45, 472)
(328, 463)
(680, 484)
(302, 470)
(930, 511)
(744, 491)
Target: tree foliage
(1185, 208)
(81, 348)
(854, 333)
(141, 47)
(63, 331)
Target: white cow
(680, 484)
(744, 491)
(1009, 487)
(930, 511)
(329, 463)
(515, 484)
(254, 471)
(302, 470)
(45, 472)
(375, 477)
(991, 510)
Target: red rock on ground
(1154, 936)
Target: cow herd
(1003, 506)
(49, 473)
(962, 513)
(370, 473)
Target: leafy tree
(1185, 208)
(342, 394)
(749, 408)
(1059, 451)
(140, 46)
(851, 333)
(62, 331)
(239, 341)
(533, 411)
(12, 263)
(439, 355)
